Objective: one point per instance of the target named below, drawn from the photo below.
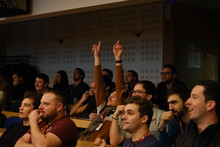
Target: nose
(170, 106)
(21, 107)
(188, 102)
(123, 117)
(40, 106)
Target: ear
(144, 119)
(149, 96)
(210, 105)
(59, 106)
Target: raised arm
(99, 84)
(120, 83)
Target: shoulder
(157, 111)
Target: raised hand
(96, 49)
(119, 111)
(117, 50)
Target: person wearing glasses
(169, 80)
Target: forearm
(21, 143)
(37, 137)
(115, 134)
(120, 84)
(99, 84)
(76, 106)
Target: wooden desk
(2, 130)
(81, 123)
(81, 143)
(9, 113)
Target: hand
(165, 119)
(85, 96)
(96, 49)
(117, 50)
(99, 142)
(92, 116)
(119, 110)
(53, 82)
(35, 116)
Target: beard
(49, 118)
(179, 114)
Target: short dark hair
(59, 95)
(211, 92)
(134, 73)
(172, 67)
(44, 77)
(145, 107)
(148, 86)
(109, 71)
(35, 96)
(81, 72)
(182, 91)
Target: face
(129, 78)
(112, 100)
(139, 91)
(167, 75)
(48, 107)
(58, 78)
(131, 118)
(92, 87)
(176, 105)
(196, 104)
(40, 85)
(76, 75)
(26, 108)
(106, 74)
(16, 79)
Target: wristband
(114, 118)
(118, 61)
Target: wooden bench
(2, 130)
(81, 123)
(10, 113)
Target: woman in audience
(61, 82)
(99, 127)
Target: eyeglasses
(138, 92)
(165, 73)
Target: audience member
(76, 90)
(177, 118)
(30, 102)
(204, 110)
(18, 90)
(136, 120)
(109, 73)
(145, 90)
(99, 127)
(41, 83)
(55, 129)
(61, 82)
(131, 78)
(169, 80)
(82, 104)
(5, 92)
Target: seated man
(203, 106)
(30, 102)
(55, 129)
(177, 118)
(137, 117)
